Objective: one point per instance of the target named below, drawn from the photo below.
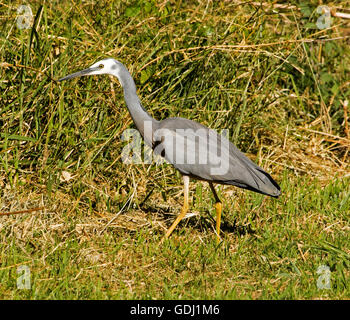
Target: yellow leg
(218, 208)
(184, 207)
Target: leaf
(17, 137)
(148, 6)
(145, 75)
(132, 11)
(305, 9)
(326, 77)
(335, 89)
(310, 25)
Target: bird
(195, 150)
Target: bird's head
(105, 66)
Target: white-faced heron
(193, 149)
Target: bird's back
(202, 153)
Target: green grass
(273, 252)
(269, 76)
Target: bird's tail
(264, 183)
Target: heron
(196, 151)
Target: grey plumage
(201, 150)
(242, 172)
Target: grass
(265, 72)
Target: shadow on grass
(198, 222)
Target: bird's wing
(202, 153)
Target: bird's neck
(142, 119)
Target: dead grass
(97, 233)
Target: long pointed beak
(84, 72)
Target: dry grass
(97, 233)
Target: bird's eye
(101, 66)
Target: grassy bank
(266, 73)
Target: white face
(105, 66)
